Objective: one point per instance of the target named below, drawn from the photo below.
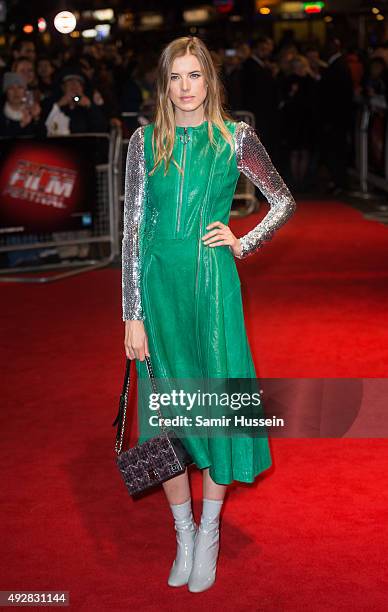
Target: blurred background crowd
(303, 98)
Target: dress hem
(246, 477)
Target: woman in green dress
(180, 286)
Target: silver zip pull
(185, 137)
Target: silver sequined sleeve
(134, 194)
(254, 162)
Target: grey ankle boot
(206, 548)
(185, 534)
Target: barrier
(371, 148)
(39, 177)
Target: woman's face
(15, 94)
(45, 68)
(188, 88)
(26, 70)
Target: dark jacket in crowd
(261, 97)
(299, 112)
(82, 119)
(12, 129)
(336, 93)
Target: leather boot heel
(183, 563)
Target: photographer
(20, 115)
(74, 112)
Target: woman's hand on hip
(221, 235)
(136, 341)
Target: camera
(28, 99)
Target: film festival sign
(42, 183)
(47, 185)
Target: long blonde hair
(163, 136)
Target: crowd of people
(303, 99)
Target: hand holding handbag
(155, 460)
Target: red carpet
(309, 534)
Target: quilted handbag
(155, 460)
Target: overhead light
(375, 10)
(196, 15)
(103, 30)
(379, 17)
(313, 7)
(65, 22)
(91, 33)
(28, 28)
(42, 24)
(264, 10)
(104, 15)
(292, 7)
(151, 20)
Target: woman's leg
(178, 494)
(177, 489)
(212, 490)
(206, 547)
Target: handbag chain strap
(123, 403)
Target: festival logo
(43, 187)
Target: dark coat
(336, 94)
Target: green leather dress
(189, 294)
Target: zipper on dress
(181, 186)
(197, 288)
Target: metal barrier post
(362, 170)
(245, 189)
